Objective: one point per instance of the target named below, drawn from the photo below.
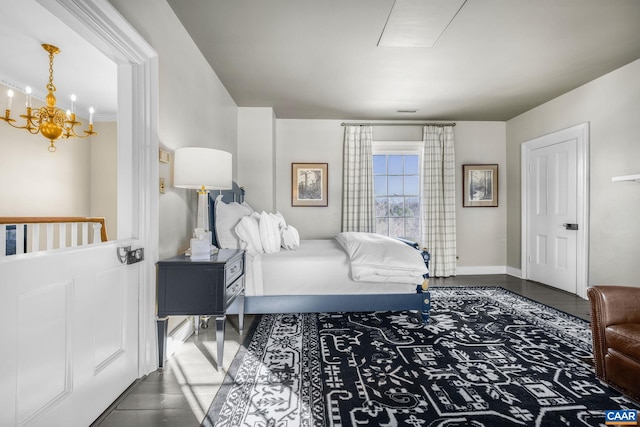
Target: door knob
(570, 226)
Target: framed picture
(479, 185)
(309, 184)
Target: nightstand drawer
(233, 271)
(234, 289)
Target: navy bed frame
(418, 301)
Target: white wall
(611, 104)
(310, 141)
(104, 176)
(481, 231)
(256, 149)
(37, 182)
(195, 110)
(78, 179)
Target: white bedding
(378, 258)
(317, 267)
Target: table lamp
(202, 169)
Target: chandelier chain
(51, 86)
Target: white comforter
(317, 267)
(378, 258)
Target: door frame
(581, 134)
(137, 63)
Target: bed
(315, 277)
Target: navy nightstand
(200, 288)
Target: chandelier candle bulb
(28, 90)
(73, 104)
(10, 95)
(91, 110)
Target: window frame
(403, 148)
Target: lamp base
(201, 247)
(202, 219)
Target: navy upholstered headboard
(236, 194)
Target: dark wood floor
(180, 394)
(561, 300)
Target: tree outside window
(397, 195)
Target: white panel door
(552, 215)
(70, 335)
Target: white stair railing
(20, 235)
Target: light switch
(164, 156)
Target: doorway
(555, 209)
(78, 323)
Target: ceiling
(78, 69)
(494, 60)
(334, 59)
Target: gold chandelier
(50, 121)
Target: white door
(552, 204)
(76, 324)
(70, 335)
(555, 224)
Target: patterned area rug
(488, 357)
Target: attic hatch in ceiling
(418, 23)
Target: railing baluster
(3, 240)
(35, 238)
(62, 238)
(49, 242)
(28, 230)
(19, 239)
(74, 234)
(85, 233)
(96, 232)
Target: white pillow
(269, 233)
(246, 205)
(290, 237)
(279, 219)
(377, 258)
(227, 216)
(248, 230)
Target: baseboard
(481, 269)
(516, 272)
(488, 269)
(179, 335)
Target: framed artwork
(479, 185)
(309, 184)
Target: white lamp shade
(194, 167)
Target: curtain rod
(398, 124)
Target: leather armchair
(615, 327)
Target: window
(396, 183)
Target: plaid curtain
(358, 212)
(438, 200)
